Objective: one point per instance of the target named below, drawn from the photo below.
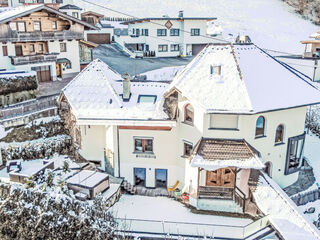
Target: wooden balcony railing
(216, 193)
(40, 36)
(21, 60)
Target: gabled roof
(212, 154)
(92, 13)
(70, 6)
(95, 94)
(251, 81)
(7, 16)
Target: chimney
(126, 94)
(180, 14)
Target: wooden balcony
(21, 60)
(15, 36)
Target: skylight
(147, 99)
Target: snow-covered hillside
(270, 23)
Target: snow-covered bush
(34, 214)
(313, 119)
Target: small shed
(88, 182)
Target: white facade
(53, 47)
(184, 37)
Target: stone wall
(310, 9)
(33, 214)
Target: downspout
(118, 151)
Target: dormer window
(188, 114)
(215, 70)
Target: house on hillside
(86, 56)
(71, 10)
(41, 39)
(212, 128)
(17, 86)
(308, 63)
(52, 3)
(169, 36)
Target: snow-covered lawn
(311, 216)
(270, 23)
(166, 209)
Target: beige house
(228, 114)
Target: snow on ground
(269, 23)
(311, 216)
(163, 74)
(44, 120)
(312, 153)
(166, 209)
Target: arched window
(260, 126)
(188, 114)
(279, 134)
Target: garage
(99, 38)
(196, 48)
(43, 73)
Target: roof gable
(7, 16)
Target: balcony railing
(40, 36)
(21, 60)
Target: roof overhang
(126, 122)
(49, 9)
(310, 41)
(90, 44)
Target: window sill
(291, 171)
(279, 144)
(225, 129)
(185, 156)
(149, 153)
(188, 123)
(261, 136)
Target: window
(195, 32)
(279, 134)
(294, 153)
(21, 26)
(63, 47)
(143, 145)
(188, 113)
(40, 47)
(4, 51)
(187, 149)
(36, 26)
(13, 26)
(161, 32)
(215, 70)
(75, 14)
(174, 48)
(54, 25)
(90, 20)
(260, 126)
(137, 32)
(31, 48)
(174, 32)
(145, 32)
(147, 99)
(224, 121)
(163, 48)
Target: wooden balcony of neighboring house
(15, 36)
(30, 59)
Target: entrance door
(59, 70)
(224, 177)
(19, 50)
(139, 176)
(43, 73)
(161, 178)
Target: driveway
(120, 62)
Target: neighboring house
(41, 39)
(52, 3)
(168, 37)
(309, 62)
(226, 115)
(4, 3)
(91, 17)
(17, 86)
(71, 10)
(86, 56)
(104, 35)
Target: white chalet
(168, 36)
(231, 112)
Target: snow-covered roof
(212, 154)
(13, 13)
(283, 214)
(70, 6)
(251, 81)
(96, 94)
(87, 178)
